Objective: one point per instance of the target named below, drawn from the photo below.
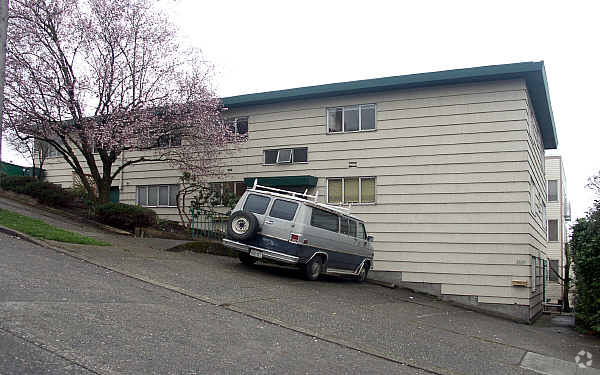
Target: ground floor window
(157, 195)
(351, 190)
(226, 190)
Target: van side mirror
(370, 239)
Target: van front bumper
(266, 253)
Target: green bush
(45, 192)
(125, 216)
(585, 243)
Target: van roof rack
(304, 196)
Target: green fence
(208, 224)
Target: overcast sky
(268, 45)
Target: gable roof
(533, 73)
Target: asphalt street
(61, 315)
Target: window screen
(283, 209)
(324, 220)
(163, 195)
(270, 156)
(300, 155)
(351, 119)
(552, 230)
(367, 191)
(142, 195)
(257, 204)
(334, 191)
(552, 190)
(153, 195)
(367, 117)
(351, 190)
(173, 190)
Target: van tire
(313, 268)
(247, 259)
(242, 226)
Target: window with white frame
(346, 190)
(169, 140)
(157, 195)
(238, 125)
(351, 118)
(286, 155)
(52, 151)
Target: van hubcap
(240, 225)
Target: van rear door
(279, 222)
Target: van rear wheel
(313, 268)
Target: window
(351, 190)
(224, 190)
(362, 233)
(238, 125)
(157, 195)
(351, 118)
(52, 152)
(169, 140)
(257, 204)
(552, 190)
(324, 220)
(552, 230)
(286, 155)
(554, 270)
(283, 209)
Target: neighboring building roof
(533, 73)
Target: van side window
(344, 229)
(352, 228)
(362, 233)
(283, 209)
(324, 220)
(257, 204)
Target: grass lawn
(38, 229)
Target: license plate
(256, 253)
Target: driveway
(268, 316)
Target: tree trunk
(103, 191)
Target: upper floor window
(553, 230)
(169, 140)
(238, 125)
(351, 118)
(552, 190)
(286, 155)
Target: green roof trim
(308, 181)
(533, 73)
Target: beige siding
(453, 167)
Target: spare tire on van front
(242, 226)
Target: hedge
(44, 192)
(125, 216)
(585, 243)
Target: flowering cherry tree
(96, 78)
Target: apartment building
(558, 214)
(447, 169)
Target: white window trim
(291, 158)
(342, 203)
(343, 108)
(157, 198)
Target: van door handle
(269, 221)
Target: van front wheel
(313, 268)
